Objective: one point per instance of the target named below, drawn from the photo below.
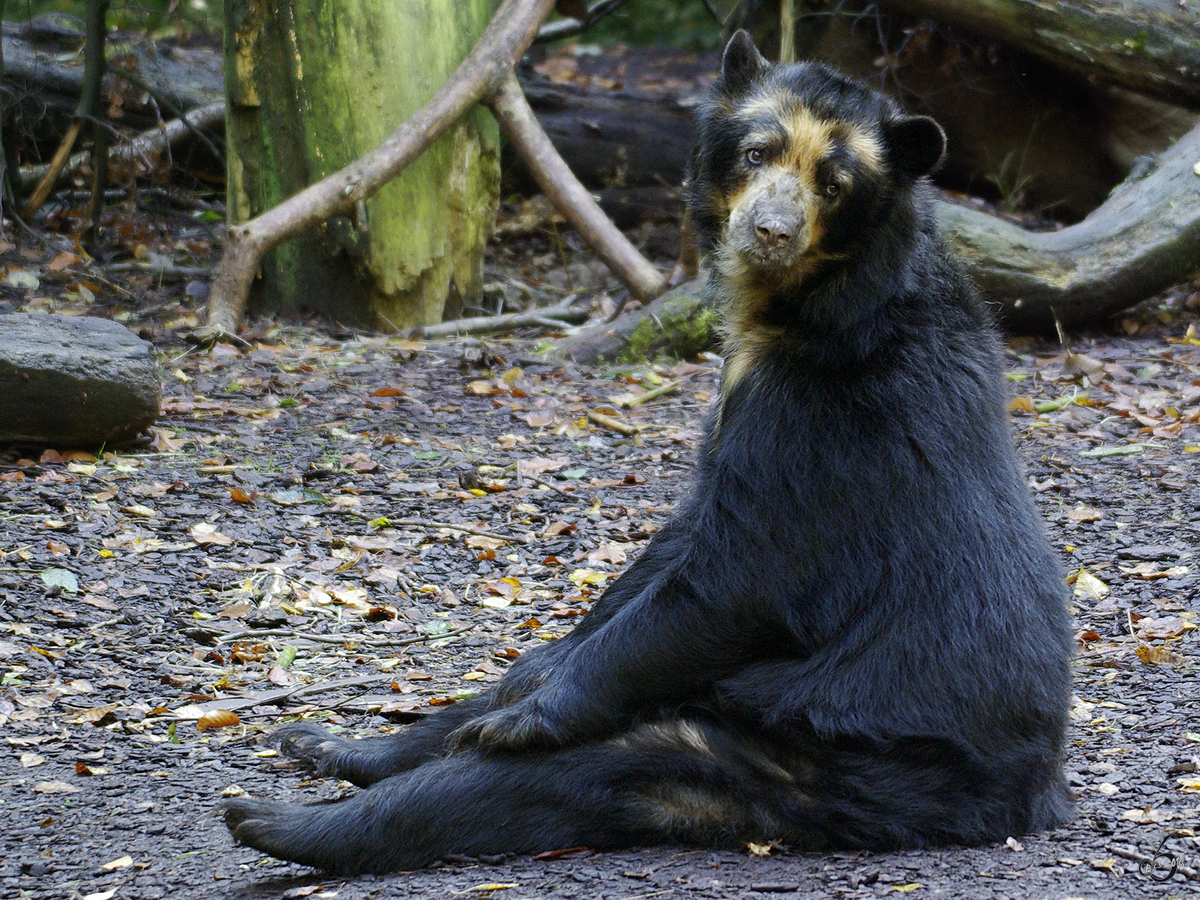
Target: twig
(614, 424)
(651, 394)
(787, 31)
(1139, 857)
(338, 638)
(572, 199)
(417, 523)
(556, 31)
(53, 170)
(164, 272)
(299, 690)
(140, 148)
(549, 317)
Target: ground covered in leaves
(361, 530)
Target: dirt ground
(361, 529)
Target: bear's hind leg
(670, 781)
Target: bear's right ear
(742, 63)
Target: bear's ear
(742, 63)
(916, 145)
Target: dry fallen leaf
(217, 718)
(1084, 514)
(1147, 816)
(55, 787)
(1189, 785)
(1088, 585)
(206, 533)
(1158, 656)
(1166, 627)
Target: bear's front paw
(525, 725)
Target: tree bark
(312, 86)
(1150, 46)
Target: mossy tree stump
(313, 85)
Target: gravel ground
(405, 516)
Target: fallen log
(1148, 46)
(74, 382)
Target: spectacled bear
(852, 635)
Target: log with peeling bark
(1143, 240)
(1149, 46)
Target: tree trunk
(315, 84)
(1144, 239)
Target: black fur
(853, 634)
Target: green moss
(681, 329)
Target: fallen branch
(509, 34)
(651, 394)
(1144, 239)
(141, 150)
(573, 200)
(554, 316)
(613, 424)
(556, 31)
(338, 638)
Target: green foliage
(129, 15)
(679, 23)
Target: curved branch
(566, 28)
(571, 198)
(1143, 239)
(490, 62)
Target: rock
(74, 382)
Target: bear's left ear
(741, 64)
(916, 145)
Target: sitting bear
(854, 632)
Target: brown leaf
(238, 495)
(94, 715)
(1021, 404)
(1166, 627)
(217, 718)
(1158, 656)
(206, 533)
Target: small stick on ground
(614, 424)
(631, 402)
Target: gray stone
(74, 382)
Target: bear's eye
(754, 156)
(831, 190)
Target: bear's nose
(774, 230)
